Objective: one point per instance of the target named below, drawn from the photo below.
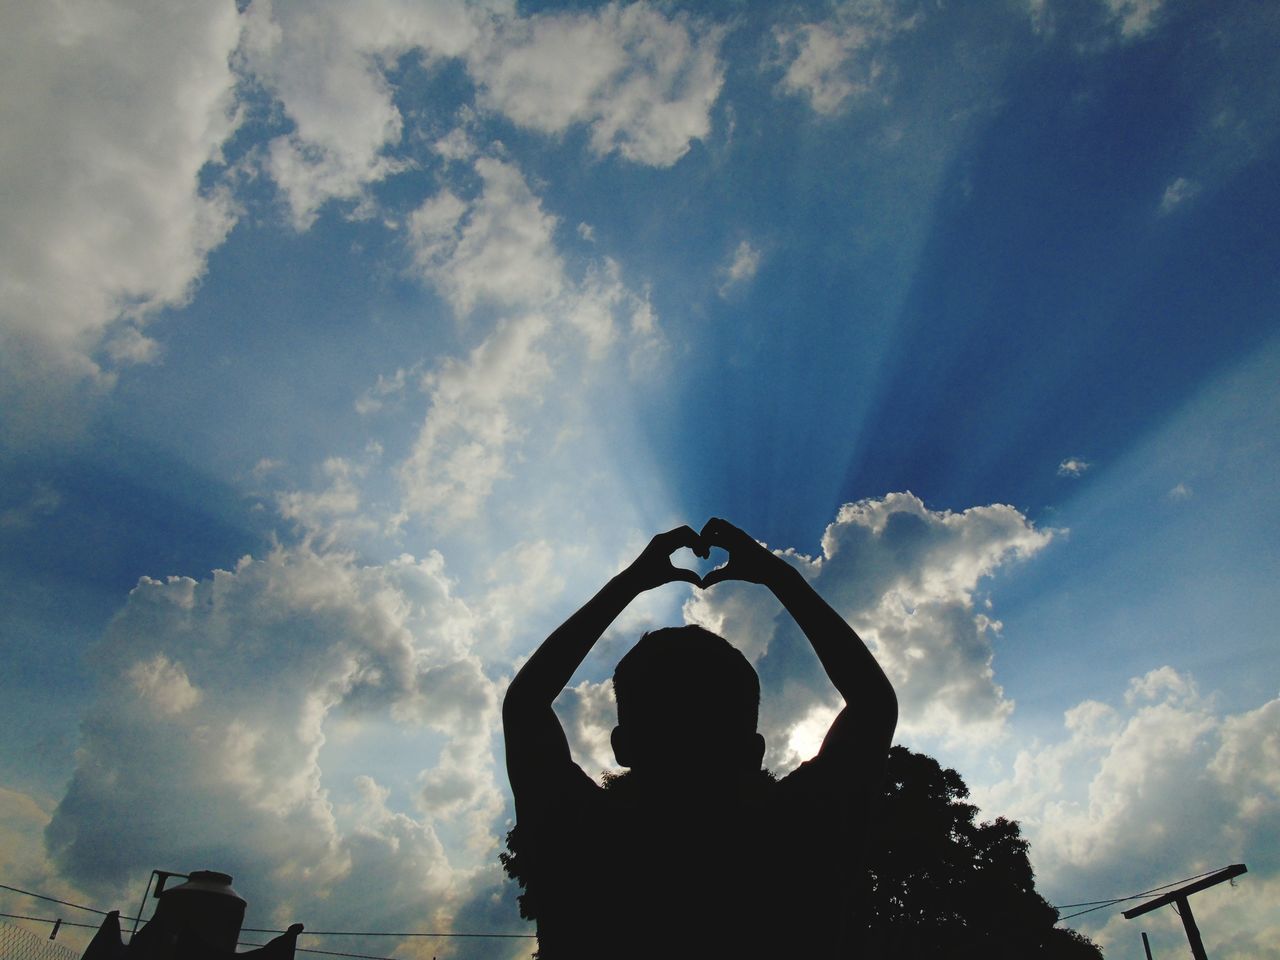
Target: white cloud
(129, 345)
(1073, 467)
(385, 389)
(332, 513)
(1041, 15)
(642, 83)
(456, 145)
(163, 685)
(498, 250)
(326, 63)
(478, 411)
(588, 713)
(213, 703)
(742, 267)
(1134, 17)
(1177, 193)
(111, 112)
(1163, 788)
(905, 578)
(842, 57)
(41, 501)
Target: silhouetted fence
(19, 944)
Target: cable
(65, 923)
(328, 953)
(65, 903)
(1090, 903)
(380, 933)
(313, 933)
(1103, 904)
(366, 933)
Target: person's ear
(622, 747)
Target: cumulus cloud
(840, 58)
(332, 513)
(213, 702)
(498, 250)
(111, 112)
(1164, 786)
(1073, 467)
(742, 266)
(477, 412)
(118, 111)
(641, 82)
(906, 578)
(326, 65)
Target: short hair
(687, 669)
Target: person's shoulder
(820, 779)
(558, 793)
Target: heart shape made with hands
(656, 567)
(706, 558)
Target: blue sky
(346, 349)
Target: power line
(365, 933)
(328, 953)
(312, 933)
(65, 923)
(65, 903)
(1103, 904)
(1090, 903)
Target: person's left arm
(861, 734)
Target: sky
(345, 349)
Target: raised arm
(866, 724)
(536, 744)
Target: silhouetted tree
(937, 883)
(940, 884)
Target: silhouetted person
(695, 852)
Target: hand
(653, 567)
(748, 560)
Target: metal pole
(1146, 944)
(141, 906)
(1193, 932)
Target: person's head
(688, 703)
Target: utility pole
(1179, 898)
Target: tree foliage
(936, 882)
(940, 884)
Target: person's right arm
(536, 745)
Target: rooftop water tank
(206, 911)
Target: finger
(721, 533)
(718, 575)
(684, 536)
(688, 576)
